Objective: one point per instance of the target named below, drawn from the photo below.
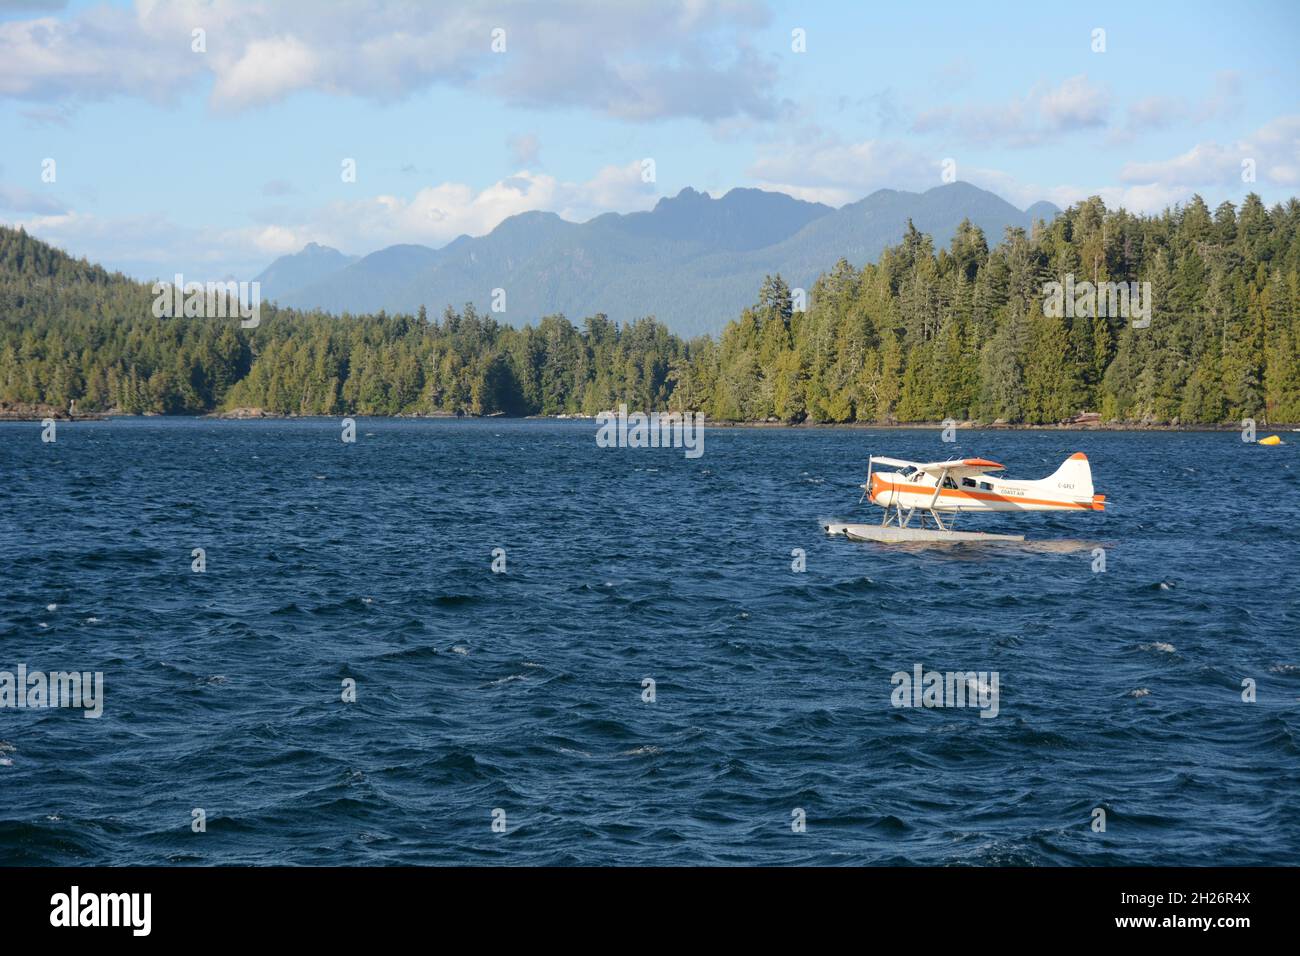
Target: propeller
(867, 487)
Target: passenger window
(968, 482)
(986, 486)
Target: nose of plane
(876, 484)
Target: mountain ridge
(692, 261)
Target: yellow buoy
(1270, 440)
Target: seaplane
(938, 491)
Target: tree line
(921, 335)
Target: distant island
(962, 332)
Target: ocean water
(517, 697)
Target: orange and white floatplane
(938, 491)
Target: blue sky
(214, 162)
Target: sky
(209, 137)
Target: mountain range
(693, 262)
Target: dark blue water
(522, 691)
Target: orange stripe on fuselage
(977, 495)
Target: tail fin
(1074, 477)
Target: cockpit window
(949, 483)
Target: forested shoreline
(923, 335)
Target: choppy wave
(651, 680)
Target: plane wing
(956, 467)
(896, 462)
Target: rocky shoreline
(249, 412)
(35, 412)
(1007, 426)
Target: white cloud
(834, 172)
(1040, 117)
(1141, 198)
(837, 173)
(1274, 148)
(636, 59)
(267, 70)
(17, 199)
(100, 51)
(143, 246)
(149, 246)
(1157, 112)
(435, 215)
(274, 240)
(1075, 104)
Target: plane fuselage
(981, 492)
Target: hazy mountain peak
(684, 195)
(1043, 210)
(297, 270)
(693, 261)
